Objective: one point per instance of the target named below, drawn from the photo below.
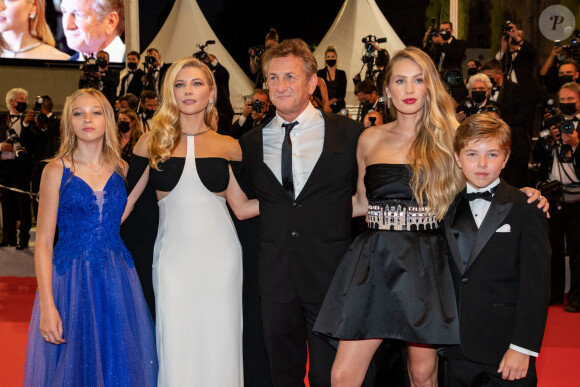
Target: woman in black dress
(335, 80)
(130, 129)
(393, 282)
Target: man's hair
(152, 49)
(479, 77)
(12, 95)
(492, 64)
(263, 92)
(572, 86)
(367, 87)
(446, 22)
(47, 103)
(483, 127)
(147, 94)
(103, 52)
(131, 99)
(104, 7)
(568, 61)
(291, 47)
(134, 53)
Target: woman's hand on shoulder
(142, 146)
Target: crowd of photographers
(504, 85)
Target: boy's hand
(514, 365)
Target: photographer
(148, 107)
(16, 143)
(255, 111)
(447, 51)
(368, 97)
(479, 90)
(559, 156)
(155, 71)
(46, 130)
(255, 54)
(375, 65)
(132, 82)
(518, 66)
(101, 78)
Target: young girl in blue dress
(90, 324)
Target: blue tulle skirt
(109, 333)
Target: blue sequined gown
(107, 326)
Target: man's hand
(248, 108)
(6, 147)
(437, 39)
(460, 116)
(571, 139)
(514, 365)
(29, 117)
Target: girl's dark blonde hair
(166, 132)
(69, 141)
(436, 179)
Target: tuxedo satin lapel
(453, 246)
(498, 210)
(327, 151)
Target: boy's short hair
(482, 127)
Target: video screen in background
(62, 30)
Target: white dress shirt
(307, 141)
(564, 172)
(479, 208)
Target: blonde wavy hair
(436, 178)
(166, 132)
(37, 26)
(69, 141)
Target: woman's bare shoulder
(142, 146)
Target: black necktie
(287, 180)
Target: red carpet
(558, 364)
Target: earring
(32, 15)
(211, 100)
(388, 101)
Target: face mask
(102, 62)
(331, 62)
(565, 79)
(149, 113)
(445, 35)
(471, 71)
(20, 107)
(132, 65)
(124, 126)
(478, 96)
(568, 108)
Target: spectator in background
(132, 82)
(104, 79)
(335, 80)
(155, 71)
(446, 50)
(255, 111)
(368, 96)
(255, 60)
(129, 101)
(473, 67)
(148, 108)
(94, 25)
(130, 129)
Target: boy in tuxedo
(499, 256)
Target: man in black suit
(132, 82)
(447, 51)
(16, 143)
(499, 253)
(104, 79)
(46, 129)
(148, 107)
(155, 71)
(302, 165)
(255, 111)
(368, 97)
(511, 98)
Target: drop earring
(388, 101)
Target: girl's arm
(50, 321)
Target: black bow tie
(132, 72)
(14, 115)
(485, 195)
(575, 119)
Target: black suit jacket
(514, 105)
(303, 240)
(16, 172)
(523, 65)
(237, 130)
(503, 292)
(454, 54)
(135, 86)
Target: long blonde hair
(166, 131)
(69, 141)
(436, 178)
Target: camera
(258, 51)
(561, 123)
(90, 65)
(15, 141)
(150, 61)
(467, 107)
(433, 28)
(550, 107)
(258, 106)
(201, 54)
(369, 48)
(574, 45)
(41, 118)
(507, 26)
